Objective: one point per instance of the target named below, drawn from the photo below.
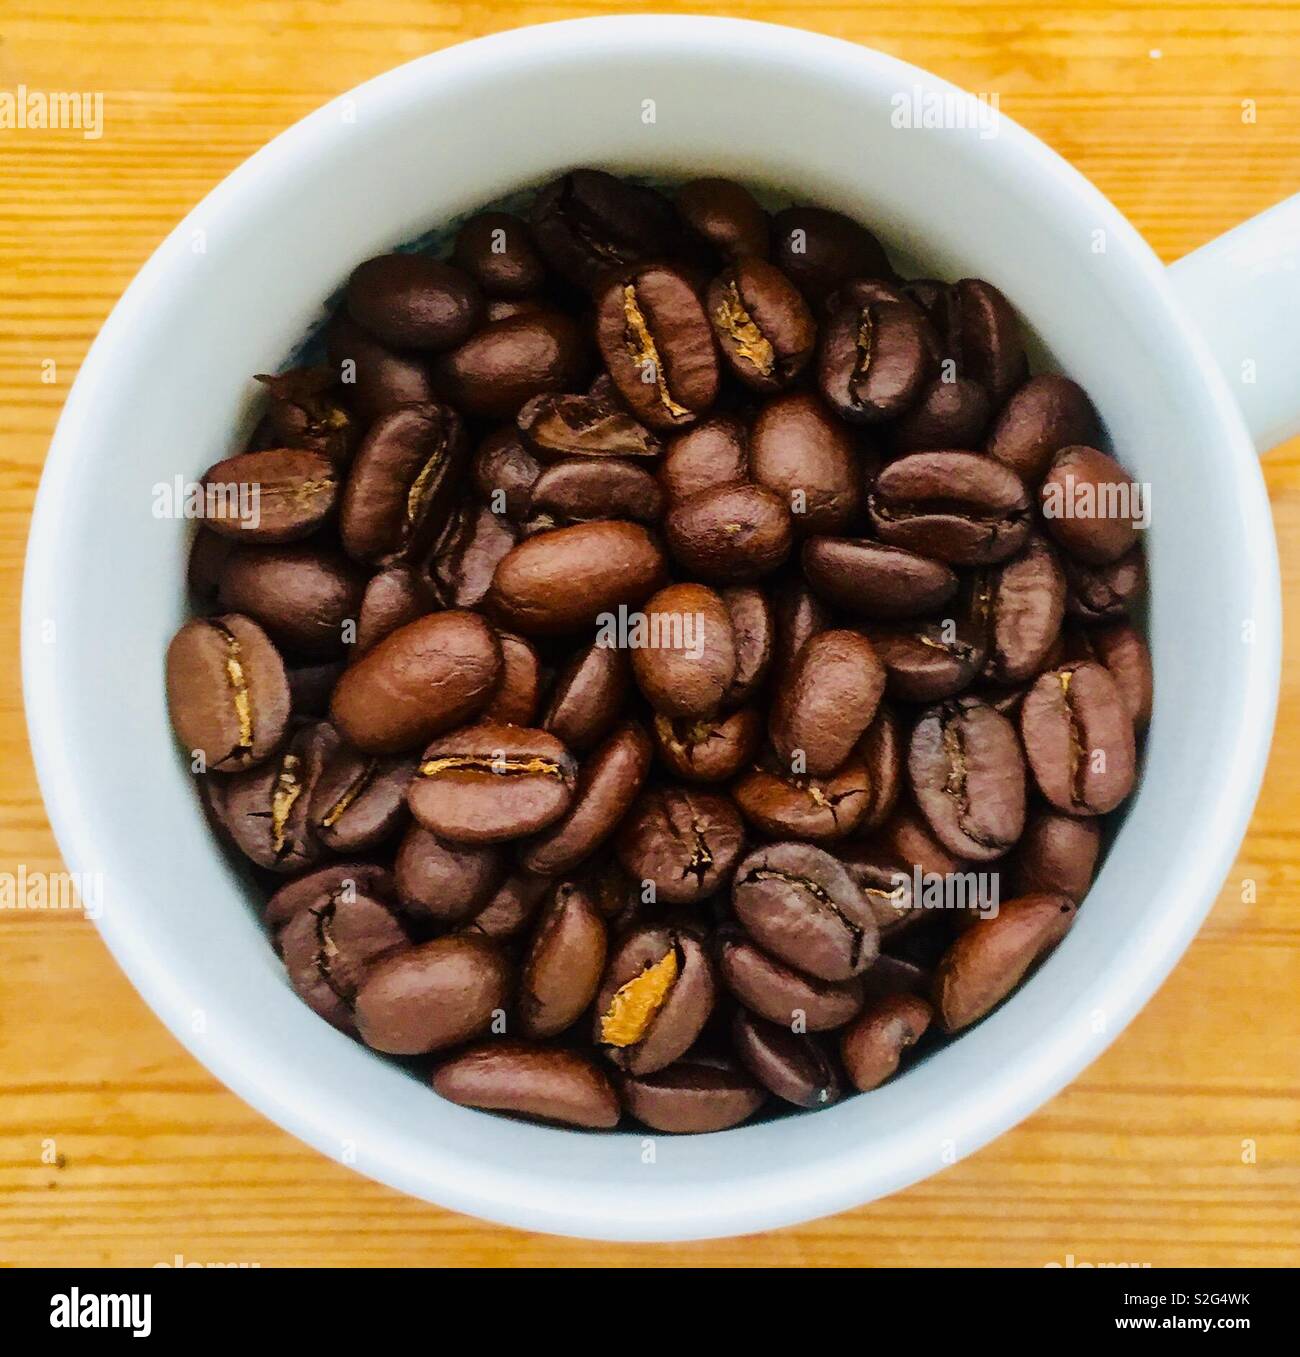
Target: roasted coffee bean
(930, 661)
(425, 678)
(874, 580)
(501, 367)
(764, 329)
(586, 489)
(301, 596)
(874, 361)
(227, 692)
(990, 958)
(682, 840)
(695, 1094)
(1102, 593)
(372, 378)
(657, 345)
(945, 415)
(957, 507)
(797, 614)
(968, 776)
(1078, 735)
(465, 562)
(443, 882)
(584, 426)
(310, 686)
(820, 250)
(1089, 504)
(882, 750)
(708, 750)
(1057, 855)
(796, 1068)
(505, 473)
(208, 555)
(884, 885)
(329, 947)
(497, 251)
(781, 994)
(588, 222)
(656, 996)
(891, 975)
(588, 696)
(305, 412)
(714, 452)
(608, 783)
(991, 349)
(412, 301)
(1046, 414)
(753, 631)
(565, 961)
(395, 596)
(489, 783)
(511, 909)
(313, 890)
(725, 215)
(264, 810)
(1124, 653)
(801, 905)
(906, 838)
(872, 1047)
(826, 702)
(1026, 607)
(730, 535)
(516, 697)
(280, 495)
(686, 663)
(543, 1082)
(399, 492)
(359, 800)
(804, 456)
(563, 581)
(432, 996)
(817, 809)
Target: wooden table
(116, 1147)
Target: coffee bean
(656, 996)
(801, 905)
(820, 250)
(310, 686)
(505, 473)
(584, 426)
(929, 661)
(1124, 653)
(874, 361)
(712, 453)
(400, 489)
(990, 958)
(411, 301)
(512, 907)
(828, 699)
(208, 555)
(425, 678)
(764, 329)
(515, 699)
(657, 345)
(946, 414)
(753, 631)
(796, 1068)
(313, 890)
(1057, 855)
(588, 697)
(725, 215)
(1046, 414)
(682, 840)
(968, 776)
(884, 884)
(991, 349)
(957, 507)
(227, 692)
(464, 563)
(544, 1082)
(1088, 501)
(565, 961)
(874, 580)
(280, 495)
(588, 222)
(374, 379)
(881, 749)
(708, 750)
(873, 1045)
(781, 994)
(729, 535)
(1078, 735)
(608, 784)
(817, 809)
(804, 456)
(586, 489)
(1102, 593)
(443, 882)
(359, 800)
(497, 251)
(301, 596)
(688, 662)
(501, 367)
(398, 594)
(563, 581)
(695, 1094)
(797, 614)
(1026, 606)
(306, 411)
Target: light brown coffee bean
(873, 1045)
(565, 961)
(545, 1082)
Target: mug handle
(1243, 293)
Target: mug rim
(1058, 1054)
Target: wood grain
(117, 1148)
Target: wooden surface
(1140, 1161)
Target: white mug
(165, 391)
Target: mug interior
(167, 391)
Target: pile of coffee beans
(654, 617)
